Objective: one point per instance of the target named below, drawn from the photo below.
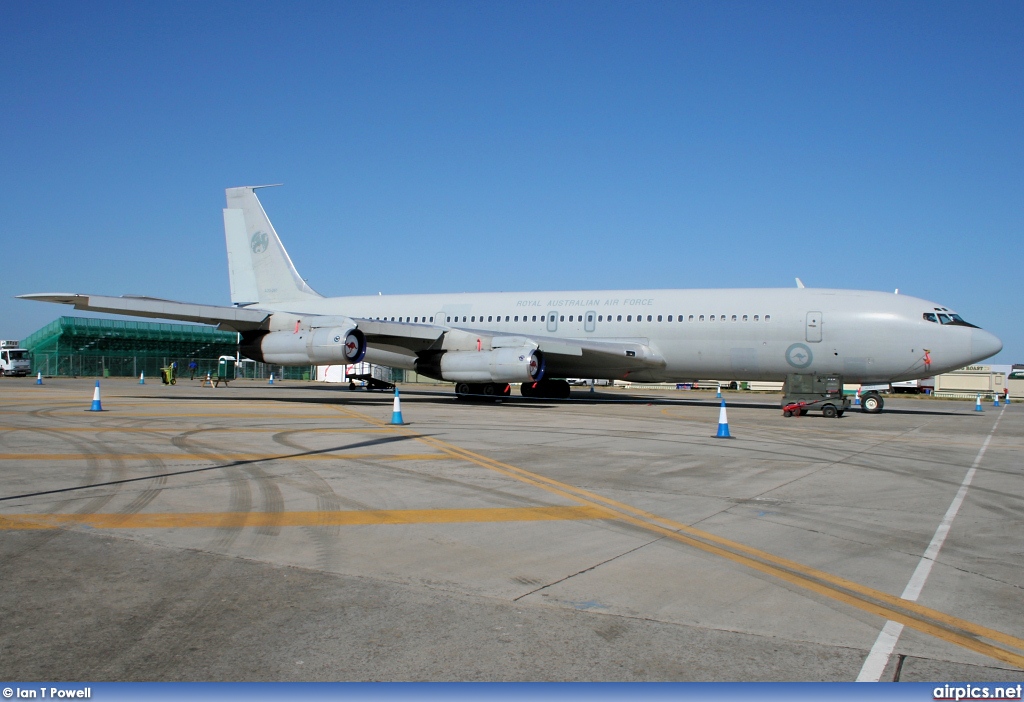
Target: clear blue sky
(477, 146)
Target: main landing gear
(482, 390)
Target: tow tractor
(804, 391)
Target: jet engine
(502, 365)
(322, 346)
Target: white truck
(14, 360)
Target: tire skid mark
(240, 491)
(88, 505)
(307, 479)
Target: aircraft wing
(229, 318)
(564, 357)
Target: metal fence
(89, 366)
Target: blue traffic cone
(96, 406)
(1007, 398)
(977, 404)
(39, 378)
(723, 424)
(396, 412)
(996, 403)
(718, 395)
(271, 379)
(142, 378)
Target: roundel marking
(799, 355)
(259, 242)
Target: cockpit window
(960, 322)
(946, 317)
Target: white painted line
(878, 657)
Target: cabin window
(570, 317)
(447, 319)
(757, 318)
(722, 317)
(944, 319)
(489, 318)
(506, 318)
(712, 318)
(767, 318)
(734, 318)
(600, 317)
(744, 318)
(629, 318)
(535, 318)
(669, 318)
(701, 318)
(561, 318)
(929, 317)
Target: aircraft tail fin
(259, 268)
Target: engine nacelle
(336, 346)
(504, 365)
(322, 346)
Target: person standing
(192, 369)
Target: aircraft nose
(984, 344)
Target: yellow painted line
(939, 624)
(235, 520)
(205, 430)
(221, 456)
(234, 415)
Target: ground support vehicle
(372, 383)
(13, 360)
(811, 390)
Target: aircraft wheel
(488, 390)
(787, 413)
(872, 403)
(461, 389)
(528, 390)
(830, 411)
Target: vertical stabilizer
(259, 268)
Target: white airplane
(484, 341)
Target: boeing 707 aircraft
(484, 341)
